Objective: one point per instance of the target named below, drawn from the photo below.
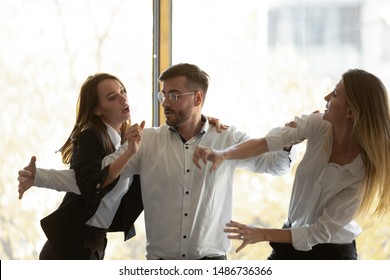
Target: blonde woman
(343, 173)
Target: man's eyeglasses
(172, 95)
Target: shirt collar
(114, 136)
(203, 130)
(356, 167)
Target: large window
(270, 61)
(47, 49)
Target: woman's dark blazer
(75, 210)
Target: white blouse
(325, 196)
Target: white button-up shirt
(325, 196)
(185, 208)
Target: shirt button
(187, 192)
(187, 147)
(188, 171)
(184, 236)
(183, 255)
(185, 214)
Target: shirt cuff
(300, 239)
(274, 141)
(40, 178)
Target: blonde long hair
(87, 102)
(367, 97)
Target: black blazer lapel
(130, 208)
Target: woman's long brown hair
(87, 102)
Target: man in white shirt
(185, 208)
